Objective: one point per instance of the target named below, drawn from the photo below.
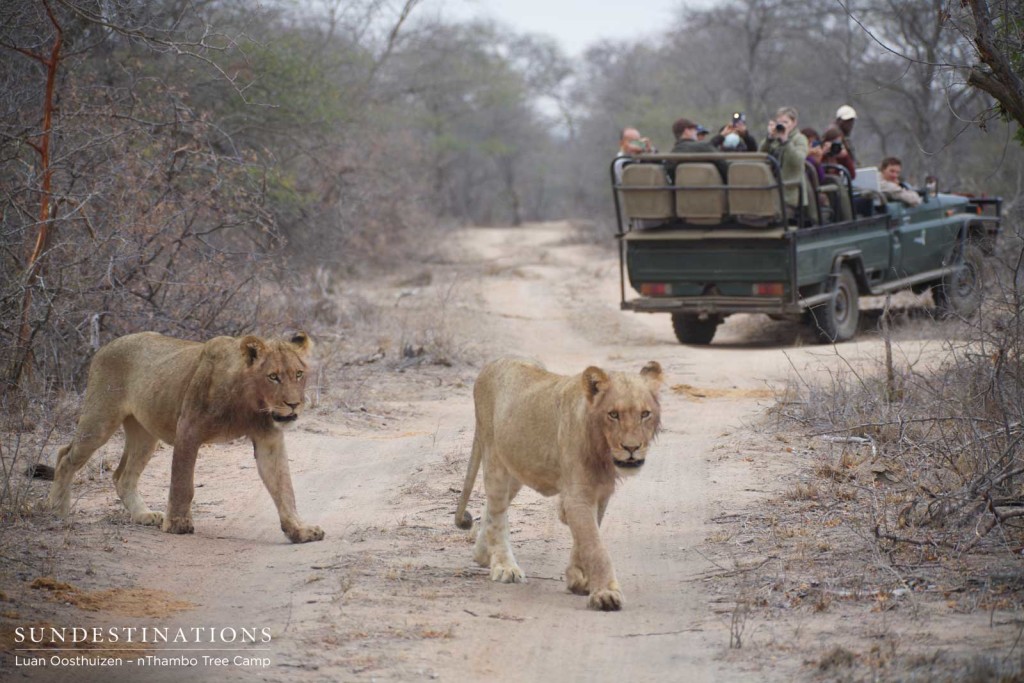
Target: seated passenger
(631, 144)
(846, 117)
(789, 147)
(738, 127)
(835, 152)
(685, 132)
(891, 186)
(815, 152)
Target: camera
(779, 128)
(835, 148)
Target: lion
(573, 436)
(187, 394)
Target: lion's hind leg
(493, 546)
(139, 445)
(94, 429)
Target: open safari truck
(702, 244)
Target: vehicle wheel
(690, 329)
(959, 293)
(837, 320)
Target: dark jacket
(748, 140)
(698, 147)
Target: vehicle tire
(837, 320)
(690, 329)
(959, 294)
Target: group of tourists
(791, 146)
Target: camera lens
(779, 128)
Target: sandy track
(392, 593)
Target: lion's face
(276, 375)
(627, 409)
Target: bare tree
(999, 43)
(120, 211)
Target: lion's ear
(252, 347)
(303, 344)
(594, 382)
(652, 373)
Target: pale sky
(575, 24)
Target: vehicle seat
(754, 197)
(695, 204)
(641, 196)
(839, 197)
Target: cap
(701, 130)
(739, 116)
(845, 113)
(682, 124)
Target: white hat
(845, 113)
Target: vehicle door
(926, 236)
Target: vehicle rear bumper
(713, 305)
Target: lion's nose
(293, 406)
(630, 449)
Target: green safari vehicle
(703, 236)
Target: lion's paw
(149, 518)
(507, 573)
(576, 581)
(305, 534)
(607, 600)
(59, 506)
(178, 525)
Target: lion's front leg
(493, 543)
(178, 519)
(272, 463)
(590, 568)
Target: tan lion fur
(187, 394)
(572, 436)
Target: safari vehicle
(702, 248)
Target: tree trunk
(33, 267)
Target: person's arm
(749, 141)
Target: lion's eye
(645, 414)
(298, 374)
(274, 378)
(614, 415)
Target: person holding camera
(815, 152)
(737, 127)
(631, 144)
(836, 151)
(789, 146)
(846, 117)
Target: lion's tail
(463, 519)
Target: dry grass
(906, 500)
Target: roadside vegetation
(938, 435)
(905, 495)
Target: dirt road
(392, 593)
